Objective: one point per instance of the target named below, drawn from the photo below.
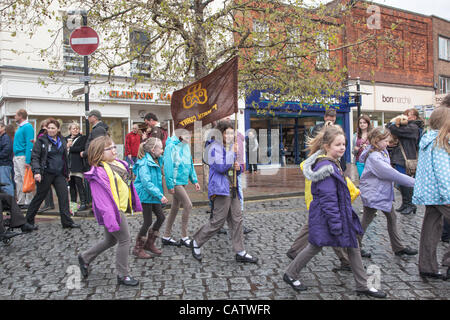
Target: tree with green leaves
(294, 48)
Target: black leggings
(147, 213)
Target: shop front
(291, 124)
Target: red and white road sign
(84, 41)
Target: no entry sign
(84, 41)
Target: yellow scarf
(112, 183)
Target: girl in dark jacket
(75, 144)
(332, 221)
(49, 164)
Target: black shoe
(376, 294)
(365, 254)
(170, 242)
(127, 281)
(247, 230)
(246, 258)
(197, 257)
(8, 235)
(222, 231)
(28, 227)
(186, 243)
(290, 256)
(46, 208)
(446, 240)
(409, 209)
(83, 207)
(84, 267)
(290, 282)
(407, 251)
(23, 206)
(432, 275)
(71, 226)
(401, 208)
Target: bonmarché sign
(403, 100)
(139, 95)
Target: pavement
(43, 264)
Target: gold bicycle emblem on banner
(195, 94)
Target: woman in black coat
(75, 144)
(49, 163)
(408, 136)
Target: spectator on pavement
(6, 161)
(132, 142)
(49, 163)
(99, 128)
(22, 147)
(154, 129)
(75, 144)
(48, 202)
(408, 139)
(360, 141)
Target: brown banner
(208, 99)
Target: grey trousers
(354, 255)
(430, 236)
(111, 238)
(180, 197)
(225, 208)
(368, 216)
(302, 241)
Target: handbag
(410, 164)
(28, 181)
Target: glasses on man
(110, 148)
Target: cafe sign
(139, 95)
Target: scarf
(56, 142)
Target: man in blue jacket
(6, 163)
(22, 147)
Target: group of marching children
(115, 193)
(332, 221)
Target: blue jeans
(6, 178)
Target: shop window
(72, 61)
(140, 47)
(444, 48)
(444, 84)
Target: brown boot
(138, 249)
(150, 243)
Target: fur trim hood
(321, 173)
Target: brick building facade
(441, 49)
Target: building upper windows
(140, 47)
(444, 85)
(261, 38)
(444, 48)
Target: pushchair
(15, 218)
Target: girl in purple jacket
(332, 221)
(377, 188)
(226, 206)
(113, 194)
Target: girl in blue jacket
(332, 221)
(149, 187)
(432, 189)
(178, 171)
